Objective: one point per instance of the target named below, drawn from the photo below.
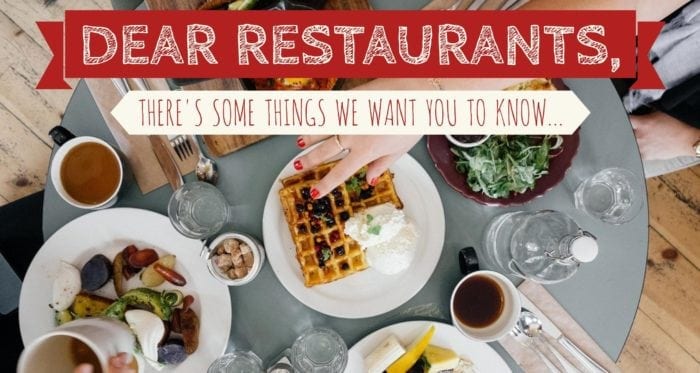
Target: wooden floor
(666, 332)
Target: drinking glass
(198, 210)
(237, 361)
(613, 195)
(319, 350)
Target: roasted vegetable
(89, 305)
(127, 270)
(116, 310)
(189, 325)
(142, 258)
(150, 299)
(96, 272)
(117, 270)
(150, 277)
(172, 298)
(172, 352)
(170, 275)
(63, 317)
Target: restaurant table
(603, 295)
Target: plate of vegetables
(130, 265)
(504, 170)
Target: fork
(519, 334)
(181, 145)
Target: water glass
(613, 195)
(198, 210)
(237, 361)
(319, 350)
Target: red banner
(220, 44)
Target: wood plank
(675, 220)
(24, 158)
(685, 184)
(671, 297)
(650, 349)
(26, 13)
(38, 110)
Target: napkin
(137, 149)
(550, 309)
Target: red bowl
(444, 159)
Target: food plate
(369, 292)
(108, 232)
(485, 359)
(444, 159)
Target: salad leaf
(505, 164)
(374, 229)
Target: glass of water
(319, 350)
(198, 210)
(237, 361)
(613, 195)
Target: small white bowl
(467, 144)
(256, 247)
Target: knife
(552, 330)
(160, 147)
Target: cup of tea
(86, 171)
(85, 341)
(485, 306)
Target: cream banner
(350, 112)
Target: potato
(117, 269)
(189, 323)
(150, 277)
(96, 272)
(89, 305)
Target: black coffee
(478, 302)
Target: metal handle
(587, 362)
(562, 360)
(550, 366)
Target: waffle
(323, 250)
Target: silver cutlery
(518, 332)
(181, 145)
(532, 327)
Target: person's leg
(655, 168)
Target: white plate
(367, 293)
(485, 359)
(107, 232)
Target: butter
(384, 355)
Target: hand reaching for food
(661, 136)
(377, 152)
(120, 363)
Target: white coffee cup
(506, 320)
(52, 351)
(56, 172)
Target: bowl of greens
(504, 170)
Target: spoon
(206, 169)
(531, 326)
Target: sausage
(170, 275)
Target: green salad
(506, 164)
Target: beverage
(87, 173)
(478, 302)
(81, 353)
(485, 306)
(198, 210)
(319, 350)
(613, 195)
(543, 246)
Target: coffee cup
(485, 306)
(86, 171)
(92, 341)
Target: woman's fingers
(323, 152)
(338, 174)
(378, 166)
(304, 142)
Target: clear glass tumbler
(613, 195)
(319, 350)
(198, 210)
(237, 362)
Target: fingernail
(297, 165)
(300, 142)
(315, 193)
(374, 181)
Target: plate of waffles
(341, 282)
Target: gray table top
(603, 296)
